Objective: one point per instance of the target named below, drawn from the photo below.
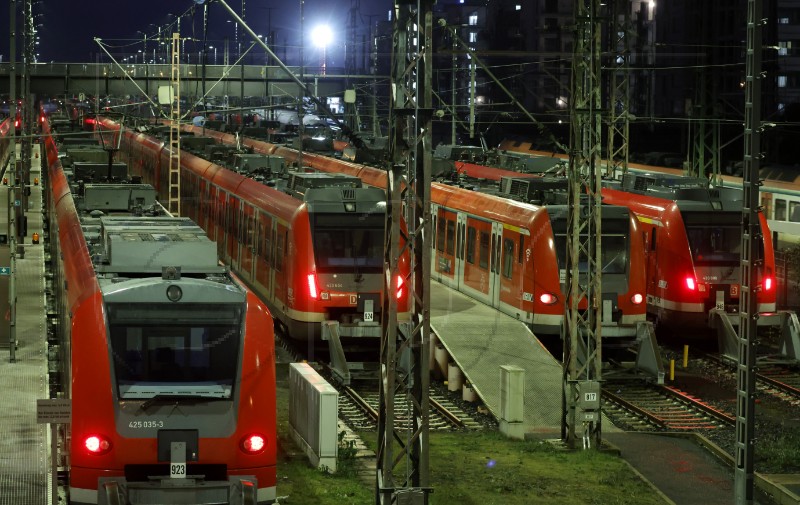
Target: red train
(693, 239)
(505, 253)
(313, 257)
(692, 235)
(169, 360)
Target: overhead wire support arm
(542, 128)
(355, 139)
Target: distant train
(505, 253)
(779, 194)
(168, 359)
(693, 239)
(314, 257)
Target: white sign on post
(58, 410)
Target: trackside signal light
(548, 298)
(399, 286)
(312, 286)
(767, 283)
(97, 444)
(637, 299)
(690, 283)
(253, 444)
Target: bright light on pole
(321, 35)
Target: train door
(510, 268)
(263, 270)
(461, 225)
(202, 204)
(495, 263)
(476, 276)
(446, 247)
(232, 211)
(246, 244)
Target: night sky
(69, 26)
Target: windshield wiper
(178, 398)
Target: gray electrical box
(588, 401)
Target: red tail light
(548, 298)
(399, 286)
(16, 123)
(253, 444)
(690, 283)
(312, 286)
(767, 283)
(97, 444)
(637, 299)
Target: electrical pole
(405, 346)
(751, 239)
(582, 327)
(619, 115)
(175, 129)
(12, 166)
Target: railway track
(359, 406)
(647, 407)
(360, 411)
(777, 380)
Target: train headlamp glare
(174, 293)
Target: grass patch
(479, 468)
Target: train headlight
(691, 284)
(174, 293)
(637, 299)
(399, 286)
(349, 207)
(548, 298)
(253, 444)
(97, 444)
(768, 283)
(313, 290)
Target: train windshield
(344, 242)
(614, 259)
(191, 349)
(714, 237)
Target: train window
(279, 251)
(483, 251)
(714, 239)
(794, 212)
(508, 257)
(433, 231)
(451, 237)
(440, 237)
(780, 209)
(342, 245)
(471, 245)
(158, 347)
(614, 255)
(521, 248)
(270, 241)
(260, 243)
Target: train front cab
(225, 415)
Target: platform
(481, 340)
(24, 448)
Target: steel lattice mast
(619, 103)
(582, 328)
(751, 237)
(402, 462)
(175, 129)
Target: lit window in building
(518, 7)
(783, 21)
(781, 106)
(473, 19)
(473, 37)
(781, 81)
